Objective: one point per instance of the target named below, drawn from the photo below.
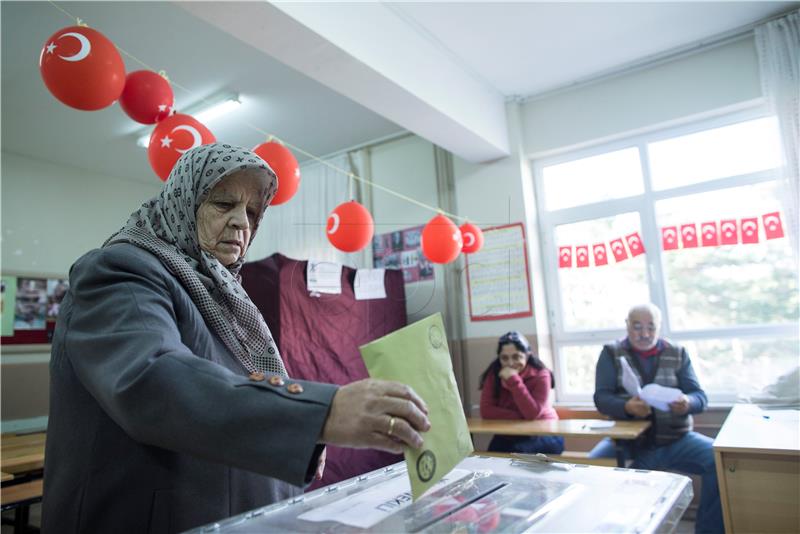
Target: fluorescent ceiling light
(203, 114)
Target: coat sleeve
(690, 385)
(489, 406)
(607, 401)
(530, 396)
(123, 343)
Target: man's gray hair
(648, 307)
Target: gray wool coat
(154, 426)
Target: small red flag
(600, 254)
(708, 234)
(582, 255)
(749, 228)
(689, 235)
(618, 250)
(565, 257)
(773, 227)
(729, 232)
(669, 238)
(635, 244)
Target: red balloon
(82, 68)
(350, 227)
(171, 138)
(147, 97)
(441, 240)
(472, 237)
(283, 162)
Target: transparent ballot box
(481, 495)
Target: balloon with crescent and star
(350, 227)
(172, 137)
(147, 97)
(281, 160)
(82, 68)
(472, 237)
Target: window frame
(645, 205)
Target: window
(684, 218)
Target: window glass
(579, 362)
(583, 181)
(728, 285)
(599, 296)
(740, 148)
(741, 366)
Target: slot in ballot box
(481, 495)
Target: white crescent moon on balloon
(469, 239)
(335, 217)
(86, 47)
(197, 139)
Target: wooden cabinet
(757, 454)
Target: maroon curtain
(319, 336)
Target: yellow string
(273, 137)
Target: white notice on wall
(369, 284)
(324, 277)
(368, 508)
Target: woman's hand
(321, 464)
(507, 372)
(376, 414)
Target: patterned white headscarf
(166, 226)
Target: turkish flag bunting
(618, 250)
(773, 227)
(708, 234)
(635, 244)
(749, 228)
(564, 257)
(669, 238)
(600, 254)
(689, 235)
(728, 232)
(582, 256)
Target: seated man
(670, 443)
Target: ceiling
(329, 76)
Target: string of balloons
(83, 69)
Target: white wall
(52, 214)
(407, 166)
(722, 76)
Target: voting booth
(482, 494)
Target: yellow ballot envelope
(418, 356)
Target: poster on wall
(30, 307)
(498, 284)
(8, 296)
(402, 250)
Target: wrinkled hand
(321, 464)
(680, 406)
(361, 413)
(507, 372)
(637, 407)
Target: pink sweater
(523, 396)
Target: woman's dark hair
(522, 345)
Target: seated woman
(517, 386)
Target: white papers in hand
(369, 284)
(659, 397)
(324, 277)
(368, 508)
(629, 380)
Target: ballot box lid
(481, 495)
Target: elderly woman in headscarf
(170, 405)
